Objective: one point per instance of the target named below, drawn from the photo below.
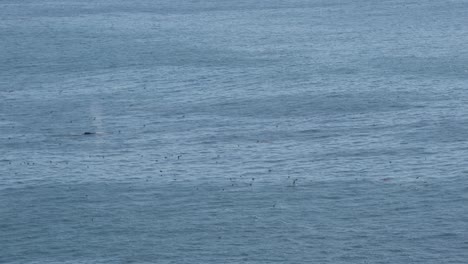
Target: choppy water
(233, 131)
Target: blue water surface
(177, 131)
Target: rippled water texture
(233, 131)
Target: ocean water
(215, 131)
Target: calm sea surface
(267, 131)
